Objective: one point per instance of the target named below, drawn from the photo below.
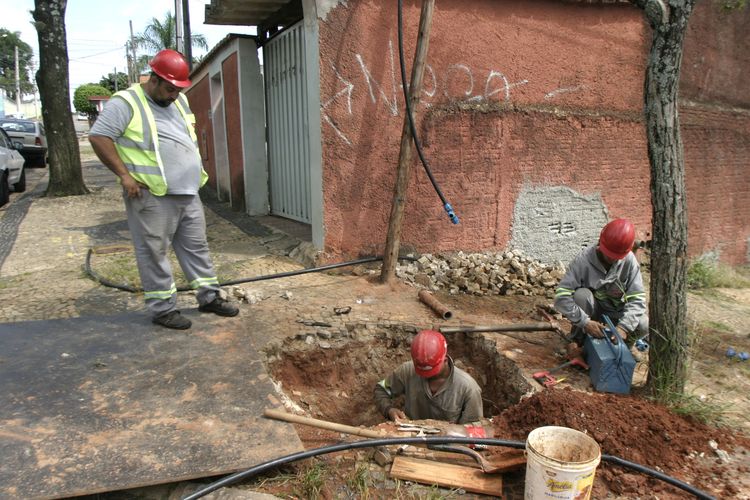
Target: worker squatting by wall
(531, 117)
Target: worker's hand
(623, 333)
(573, 351)
(594, 329)
(395, 414)
(131, 186)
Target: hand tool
(420, 429)
(545, 377)
(486, 466)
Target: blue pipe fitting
(451, 214)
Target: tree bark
(669, 337)
(65, 175)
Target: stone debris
(245, 295)
(500, 273)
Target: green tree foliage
(109, 81)
(162, 34)
(8, 41)
(82, 94)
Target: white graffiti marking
(393, 102)
(347, 90)
(456, 68)
(430, 93)
(563, 90)
(390, 93)
(505, 87)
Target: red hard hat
(428, 351)
(616, 239)
(171, 66)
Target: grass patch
(359, 482)
(704, 274)
(118, 268)
(312, 480)
(703, 410)
(719, 327)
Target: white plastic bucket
(560, 464)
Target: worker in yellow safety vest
(146, 136)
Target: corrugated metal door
(288, 135)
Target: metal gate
(288, 136)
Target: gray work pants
(584, 298)
(155, 222)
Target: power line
(97, 54)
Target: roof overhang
(253, 12)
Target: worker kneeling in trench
(433, 387)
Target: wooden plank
(446, 475)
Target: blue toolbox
(611, 365)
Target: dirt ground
(335, 385)
(330, 375)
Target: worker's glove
(395, 414)
(594, 329)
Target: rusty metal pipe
(524, 327)
(434, 304)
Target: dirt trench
(335, 382)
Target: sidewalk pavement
(45, 242)
(95, 386)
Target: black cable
(272, 464)
(447, 206)
(128, 288)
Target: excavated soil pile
(638, 431)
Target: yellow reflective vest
(138, 147)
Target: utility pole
(393, 240)
(182, 23)
(187, 35)
(36, 105)
(129, 63)
(180, 41)
(134, 59)
(18, 85)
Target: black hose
(447, 206)
(286, 274)
(427, 440)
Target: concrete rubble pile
(502, 273)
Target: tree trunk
(65, 175)
(669, 338)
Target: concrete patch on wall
(325, 6)
(552, 224)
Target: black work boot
(220, 306)
(173, 319)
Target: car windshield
(18, 126)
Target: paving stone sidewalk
(45, 242)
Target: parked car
(12, 173)
(31, 134)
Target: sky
(98, 29)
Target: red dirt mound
(636, 430)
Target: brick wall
(230, 79)
(199, 98)
(519, 95)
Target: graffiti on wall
(457, 82)
(552, 224)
